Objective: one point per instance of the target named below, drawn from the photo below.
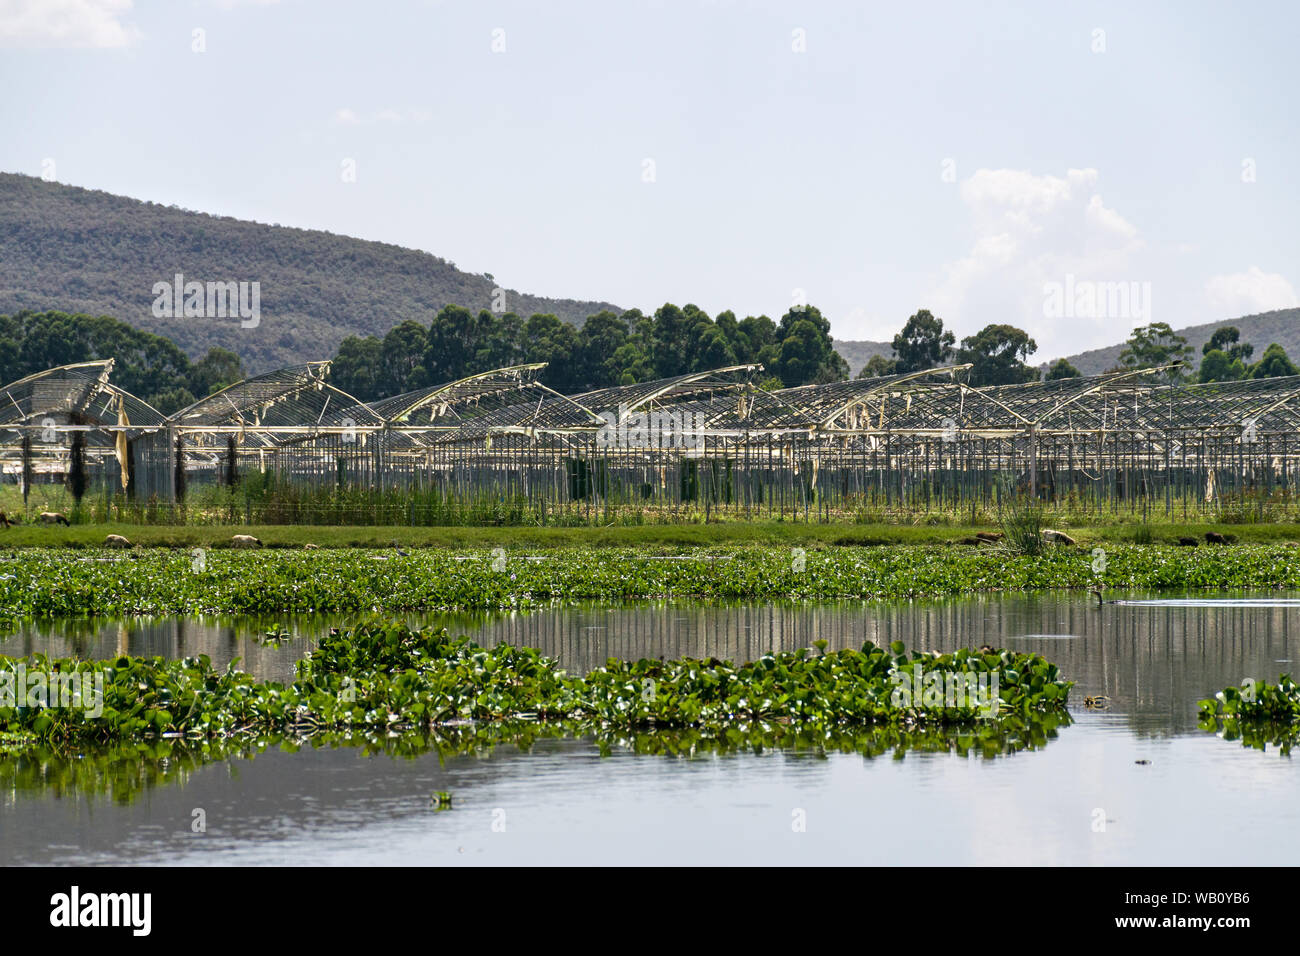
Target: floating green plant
(62, 583)
(388, 677)
(1257, 714)
(1257, 701)
(276, 638)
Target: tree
(634, 359)
(1274, 364)
(1061, 369)
(10, 349)
(922, 343)
(1219, 366)
(672, 340)
(878, 366)
(714, 351)
(450, 345)
(1225, 357)
(601, 337)
(555, 342)
(401, 359)
(803, 352)
(997, 353)
(356, 368)
(797, 359)
(1154, 346)
(756, 332)
(1226, 340)
(730, 329)
(217, 369)
(51, 339)
(611, 349)
(500, 342)
(172, 400)
(144, 364)
(633, 364)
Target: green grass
(1021, 522)
(778, 534)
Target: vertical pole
(171, 466)
(1032, 438)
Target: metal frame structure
(706, 440)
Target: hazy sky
(881, 158)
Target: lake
(1081, 799)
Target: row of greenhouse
(705, 441)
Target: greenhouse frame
(706, 441)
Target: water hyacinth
(59, 583)
(388, 677)
(1257, 714)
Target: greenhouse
(288, 446)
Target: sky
(1074, 169)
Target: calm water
(1199, 800)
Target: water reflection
(1153, 660)
(223, 639)
(581, 799)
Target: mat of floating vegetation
(388, 677)
(58, 583)
(1259, 714)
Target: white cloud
(865, 323)
(348, 117)
(1028, 232)
(1249, 292)
(66, 23)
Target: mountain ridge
(81, 250)
(73, 249)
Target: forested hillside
(1281, 327)
(84, 251)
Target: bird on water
(1096, 592)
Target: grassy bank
(62, 582)
(771, 534)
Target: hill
(858, 354)
(81, 250)
(1261, 331)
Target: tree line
(147, 365)
(610, 349)
(997, 355)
